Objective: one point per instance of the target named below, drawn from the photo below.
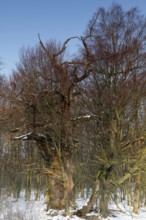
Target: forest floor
(12, 209)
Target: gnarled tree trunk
(60, 184)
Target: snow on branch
(31, 136)
(86, 118)
(23, 137)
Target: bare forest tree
(44, 87)
(116, 89)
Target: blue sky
(22, 20)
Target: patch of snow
(12, 209)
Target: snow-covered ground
(12, 209)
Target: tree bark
(60, 185)
(104, 185)
(137, 194)
(92, 201)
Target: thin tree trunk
(38, 184)
(137, 194)
(28, 187)
(104, 185)
(129, 197)
(92, 201)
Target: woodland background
(79, 121)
